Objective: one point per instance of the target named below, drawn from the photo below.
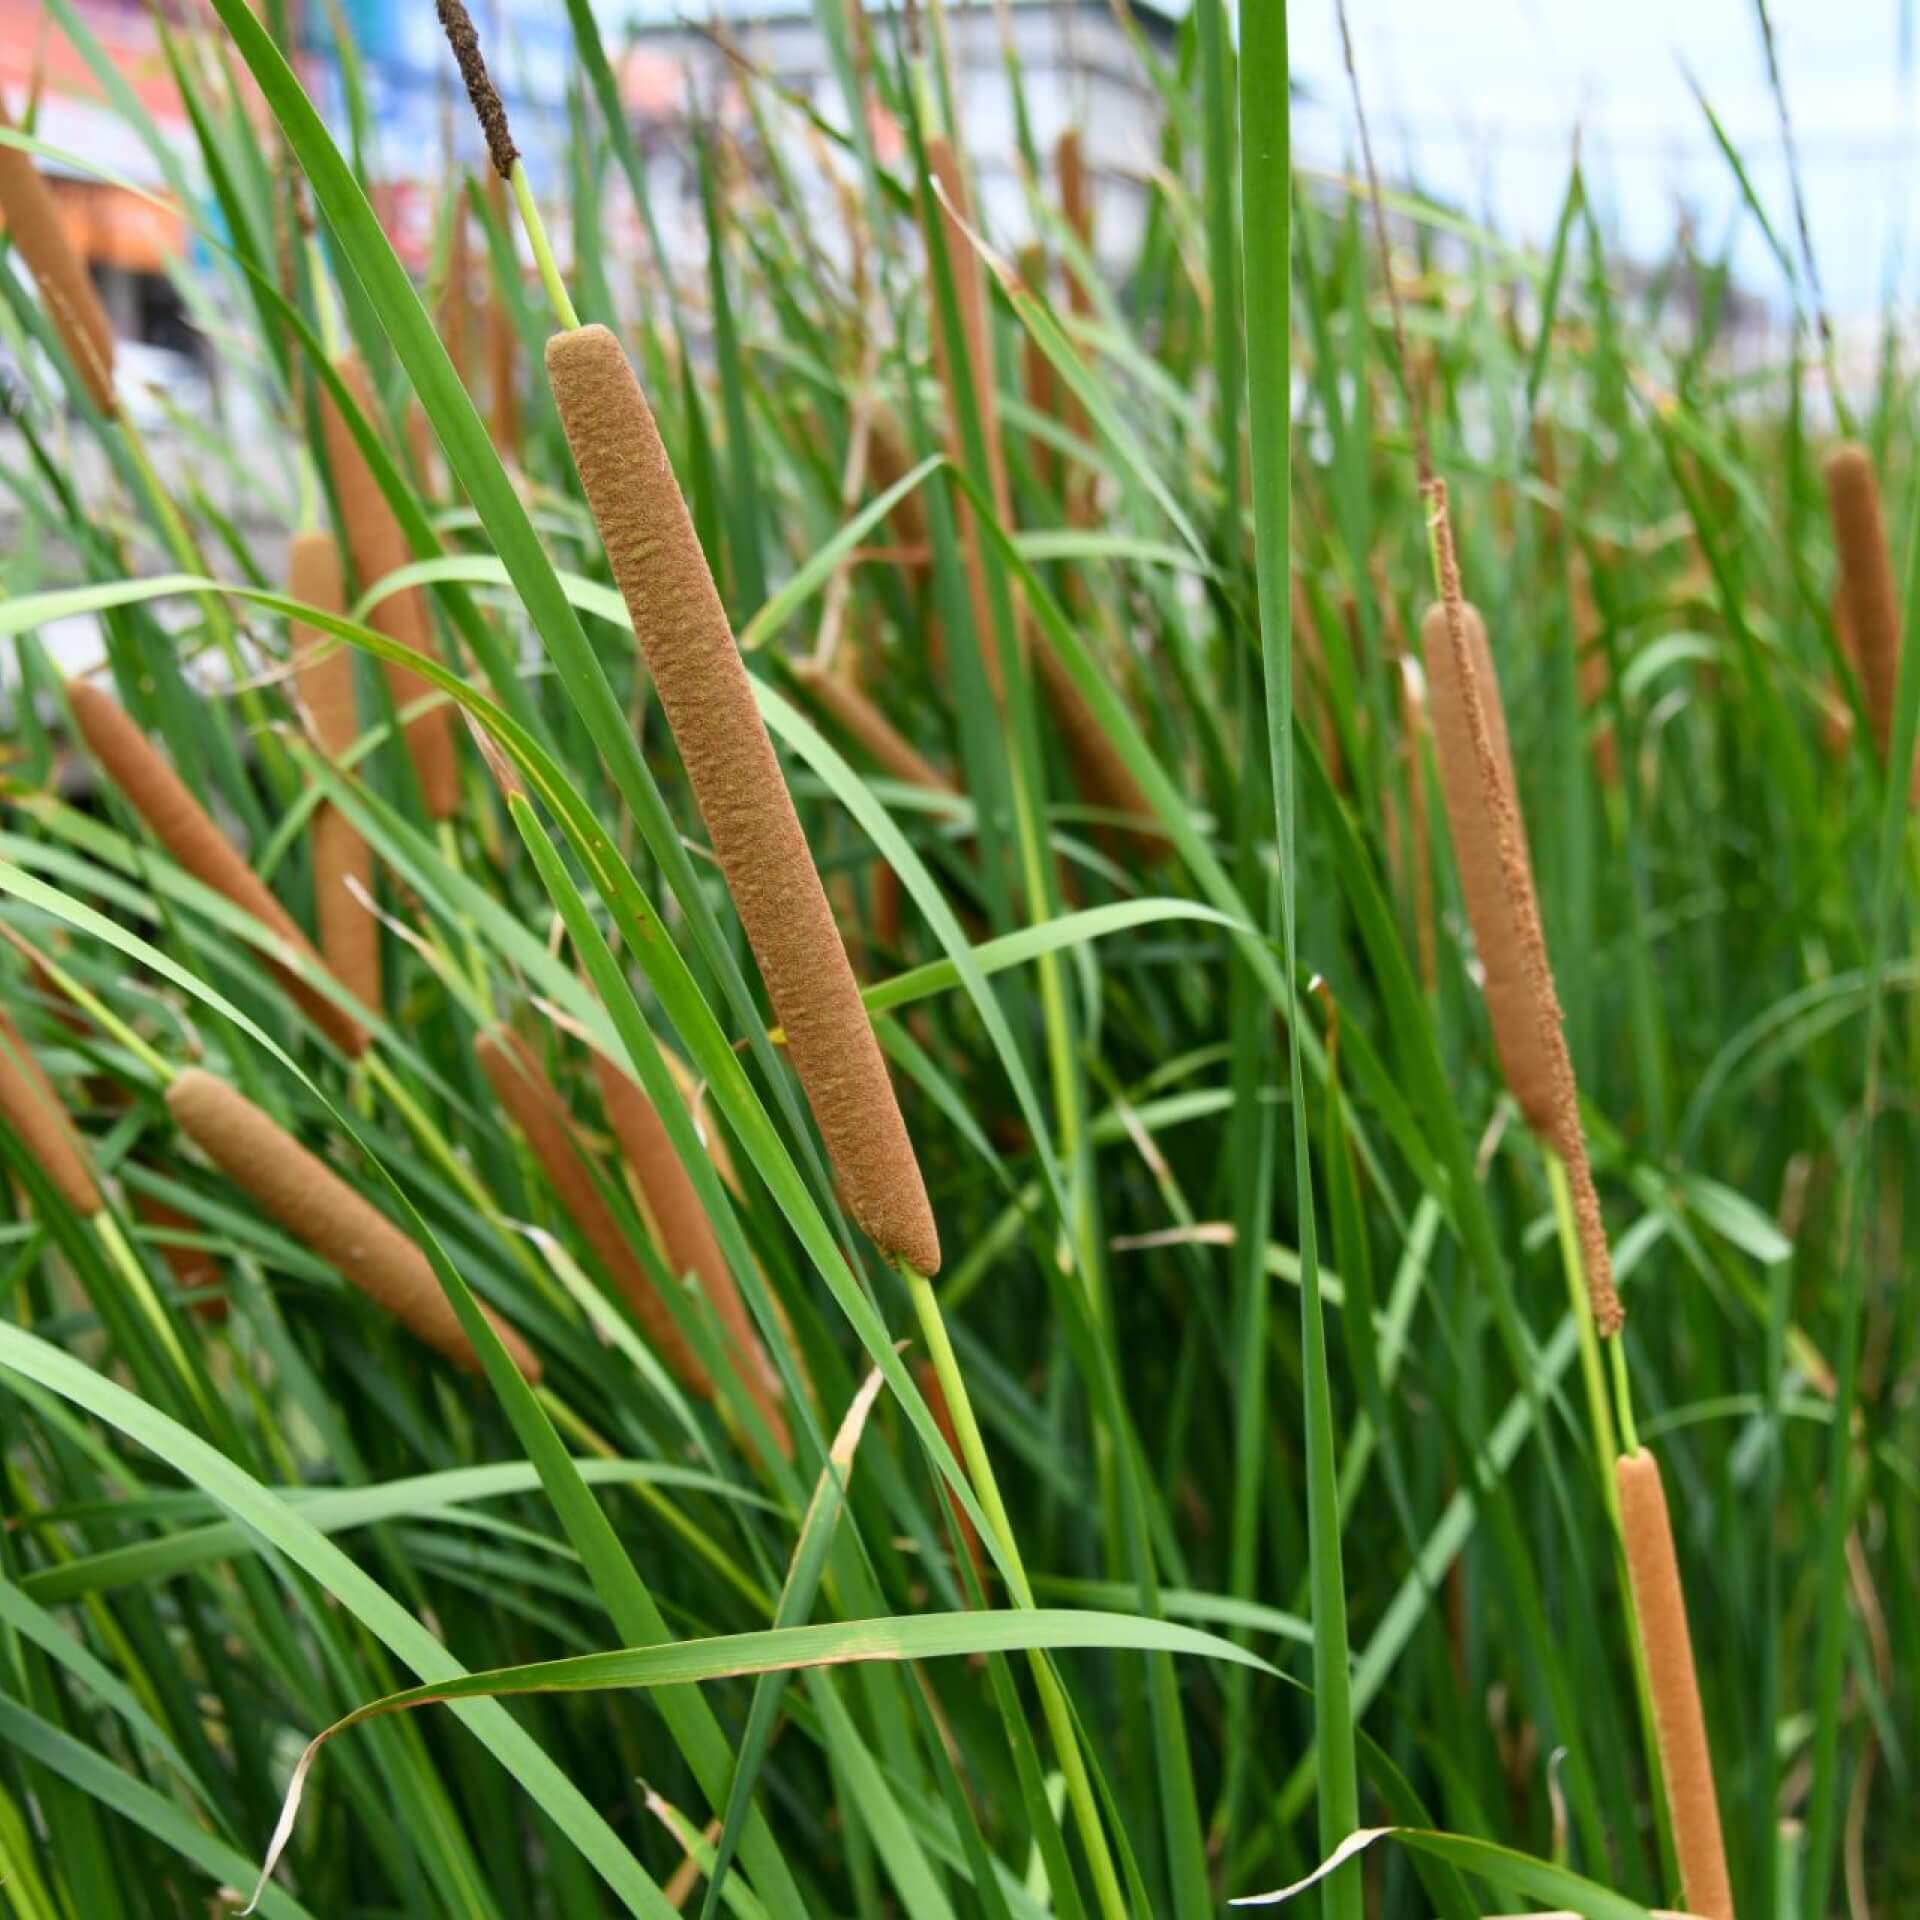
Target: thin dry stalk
(1496, 878)
(324, 1214)
(533, 1103)
(703, 685)
(181, 825)
(377, 548)
(34, 226)
(342, 860)
(685, 1235)
(31, 1107)
(1680, 1728)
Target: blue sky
(1478, 98)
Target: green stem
(542, 248)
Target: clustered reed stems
(328, 1217)
(34, 226)
(689, 648)
(342, 860)
(377, 547)
(1482, 803)
(181, 825)
(31, 1107)
(1680, 1727)
(533, 1103)
(685, 1235)
(1866, 586)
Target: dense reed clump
(730, 762)
(377, 547)
(1482, 802)
(181, 825)
(34, 226)
(342, 860)
(323, 1213)
(533, 1103)
(30, 1105)
(1685, 1759)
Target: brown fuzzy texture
(870, 730)
(377, 547)
(328, 1217)
(34, 226)
(1867, 589)
(685, 1234)
(31, 1108)
(730, 762)
(1693, 1808)
(1496, 879)
(457, 24)
(181, 825)
(503, 347)
(533, 1103)
(323, 668)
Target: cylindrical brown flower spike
(869, 729)
(703, 685)
(1867, 591)
(1680, 1728)
(378, 547)
(1489, 837)
(31, 1107)
(182, 826)
(685, 1234)
(326, 1215)
(533, 1103)
(34, 225)
(323, 668)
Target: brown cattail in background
(531, 1100)
(685, 1235)
(1076, 207)
(1836, 715)
(323, 669)
(31, 1109)
(1680, 1728)
(1595, 670)
(181, 825)
(456, 296)
(194, 1269)
(34, 226)
(324, 1214)
(869, 729)
(1036, 372)
(1496, 879)
(1867, 588)
(377, 548)
(703, 685)
(502, 346)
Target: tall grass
(1086, 1414)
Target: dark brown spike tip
(457, 23)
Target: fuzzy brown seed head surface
(1679, 1725)
(181, 825)
(31, 1107)
(457, 24)
(305, 1195)
(703, 685)
(1866, 582)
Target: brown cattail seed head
(457, 24)
(194, 1269)
(1866, 583)
(1477, 784)
(703, 685)
(36, 229)
(869, 729)
(1679, 1725)
(31, 1108)
(181, 825)
(323, 1213)
(323, 667)
(685, 1234)
(533, 1103)
(377, 548)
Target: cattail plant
(194, 1269)
(1482, 803)
(34, 226)
(324, 1214)
(502, 346)
(730, 762)
(377, 547)
(181, 825)
(31, 1108)
(1866, 583)
(842, 702)
(685, 1235)
(1680, 1727)
(533, 1103)
(342, 860)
